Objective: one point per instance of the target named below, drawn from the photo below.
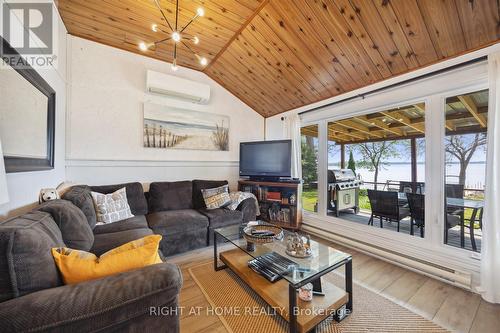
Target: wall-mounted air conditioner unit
(175, 87)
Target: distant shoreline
(421, 163)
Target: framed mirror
(27, 116)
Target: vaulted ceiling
(277, 55)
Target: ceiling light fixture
(143, 47)
(175, 34)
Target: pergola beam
(380, 124)
(404, 120)
(335, 128)
(358, 127)
(469, 104)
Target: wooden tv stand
(276, 201)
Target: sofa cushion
(80, 196)
(170, 196)
(221, 217)
(216, 197)
(26, 263)
(198, 185)
(175, 221)
(112, 207)
(75, 229)
(79, 266)
(108, 241)
(136, 222)
(135, 195)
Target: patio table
(477, 208)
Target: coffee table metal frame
(292, 288)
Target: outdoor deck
(453, 236)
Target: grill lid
(341, 175)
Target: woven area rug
(241, 310)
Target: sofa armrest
(103, 304)
(249, 209)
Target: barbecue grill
(343, 190)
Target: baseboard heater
(451, 276)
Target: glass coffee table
(329, 301)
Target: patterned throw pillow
(111, 207)
(216, 197)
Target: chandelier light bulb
(176, 36)
(203, 61)
(200, 11)
(154, 27)
(143, 47)
(196, 40)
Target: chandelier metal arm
(187, 46)
(163, 14)
(163, 40)
(191, 21)
(175, 34)
(176, 14)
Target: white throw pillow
(111, 207)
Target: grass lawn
(309, 199)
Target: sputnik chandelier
(176, 34)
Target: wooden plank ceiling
(277, 55)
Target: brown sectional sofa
(32, 295)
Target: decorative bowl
(277, 233)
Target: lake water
(475, 176)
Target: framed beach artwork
(174, 128)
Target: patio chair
(416, 202)
(455, 191)
(385, 205)
(407, 187)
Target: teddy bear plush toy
(47, 194)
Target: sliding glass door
(465, 168)
(376, 169)
(309, 152)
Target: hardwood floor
(448, 306)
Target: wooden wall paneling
(278, 65)
(369, 17)
(245, 78)
(281, 29)
(411, 20)
(258, 74)
(235, 85)
(322, 46)
(302, 45)
(355, 26)
(391, 22)
(480, 21)
(443, 24)
(342, 38)
(241, 46)
(260, 31)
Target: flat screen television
(266, 159)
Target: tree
(351, 164)
(309, 162)
(375, 155)
(463, 147)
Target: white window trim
(432, 91)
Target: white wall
(106, 92)
(24, 187)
